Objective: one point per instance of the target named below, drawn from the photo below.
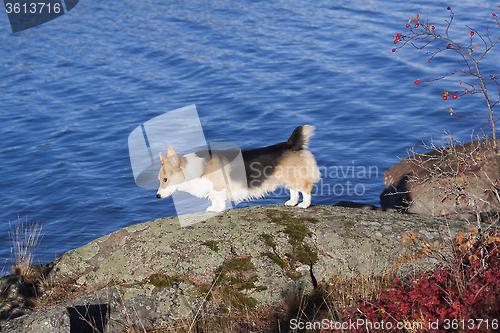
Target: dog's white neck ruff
(194, 167)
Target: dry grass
(24, 240)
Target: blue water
(72, 90)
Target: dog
(209, 173)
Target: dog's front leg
(218, 201)
(217, 206)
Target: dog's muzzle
(158, 196)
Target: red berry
(494, 14)
(472, 33)
(448, 8)
(450, 46)
(407, 25)
(433, 27)
(416, 25)
(417, 82)
(454, 96)
(398, 36)
(445, 97)
(393, 50)
(395, 41)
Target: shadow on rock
(88, 318)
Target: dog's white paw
(303, 205)
(290, 203)
(213, 209)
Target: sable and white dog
(205, 173)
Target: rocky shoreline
(166, 271)
(158, 273)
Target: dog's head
(170, 175)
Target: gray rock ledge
(156, 273)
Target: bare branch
(422, 35)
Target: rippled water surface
(72, 91)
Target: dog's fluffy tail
(300, 137)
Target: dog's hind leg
(306, 197)
(306, 200)
(294, 197)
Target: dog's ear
(163, 158)
(172, 157)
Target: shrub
(463, 297)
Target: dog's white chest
(200, 187)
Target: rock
(13, 297)
(13, 309)
(157, 273)
(16, 291)
(459, 180)
(11, 287)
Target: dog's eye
(164, 180)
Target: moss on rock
(162, 281)
(212, 245)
